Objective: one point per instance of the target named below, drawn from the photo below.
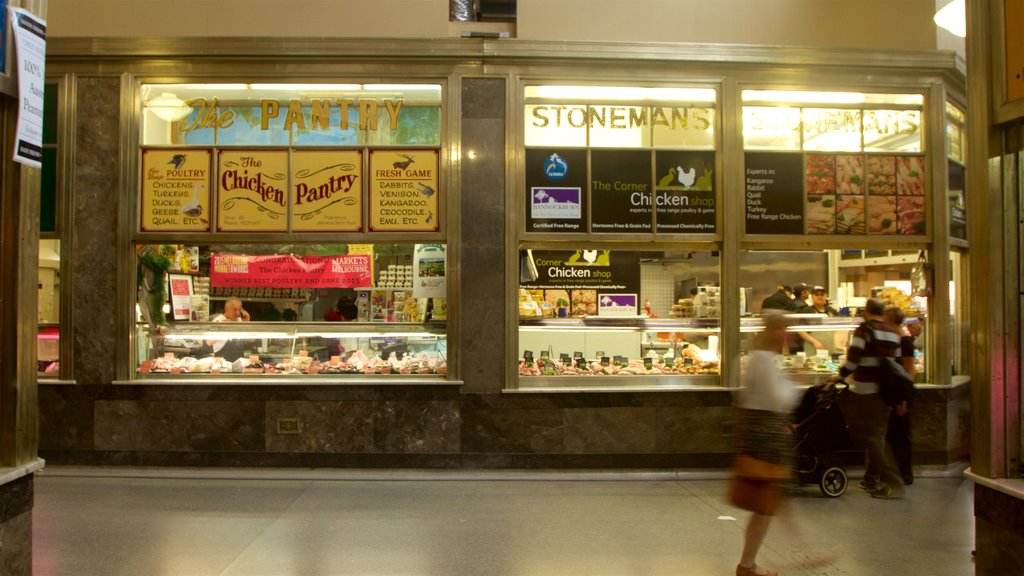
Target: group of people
(767, 398)
(795, 300)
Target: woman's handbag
(756, 485)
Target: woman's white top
(764, 387)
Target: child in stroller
(821, 433)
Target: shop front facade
(551, 258)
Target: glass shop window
(618, 313)
(384, 301)
(827, 290)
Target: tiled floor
(91, 522)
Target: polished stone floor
(111, 522)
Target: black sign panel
(684, 194)
(556, 189)
(602, 270)
(774, 193)
(620, 187)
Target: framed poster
(620, 191)
(175, 190)
(327, 190)
(181, 290)
(556, 184)
(685, 192)
(252, 191)
(404, 191)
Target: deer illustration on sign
(403, 165)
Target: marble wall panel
(180, 426)
(16, 501)
(417, 427)
(65, 424)
(999, 533)
(482, 249)
(687, 430)
(513, 431)
(338, 426)
(16, 552)
(96, 189)
(610, 430)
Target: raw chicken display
(910, 176)
(911, 215)
(881, 175)
(821, 214)
(850, 214)
(821, 174)
(882, 214)
(849, 174)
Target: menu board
(774, 194)
(684, 196)
(620, 189)
(556, 183)
(327, 190)
(404, 191)
(176, 190)
(251, 191)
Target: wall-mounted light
(168, 107)
(953, 17)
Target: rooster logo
(178, 160)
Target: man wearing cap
(819, 305)
(819, 302)
(800, 293)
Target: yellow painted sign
(404, 190)
(175, 190)
(252, 191)
(327, 191)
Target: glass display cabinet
(618, 350)
(262, 351)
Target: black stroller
(821, 434)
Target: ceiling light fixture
(953, 17)
(168, 107)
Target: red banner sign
(286, 271)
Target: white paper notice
(30, 51)
(429, 271)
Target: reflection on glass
(48, 316)
(892, 130)
(832, 129)
(771, 128)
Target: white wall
(275, 18)
(884, 24)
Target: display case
(262, 351)
(657, 352)
(625, 351)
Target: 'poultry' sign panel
(176, 190)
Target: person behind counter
(230, 350)
(819, 305)
(799, 303)
(781, 299)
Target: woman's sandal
(742, 570)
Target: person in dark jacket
(866, 415)
(799, 304)
(898, 432)
(781, 299)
